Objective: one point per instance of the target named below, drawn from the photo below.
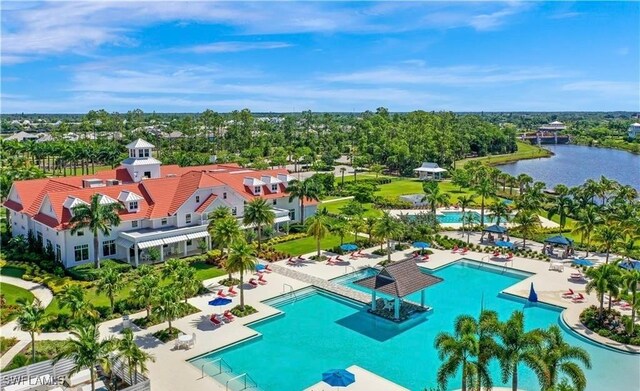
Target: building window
(189, 242)
(109, 248)
(234, 211)
(224, 196)
(274, 187)
(197, 198)
(80, 233)
(81, 252)
(133, 205)
(39, 237)
(187, 218)
(147, 174)
(134, 224)
(274, 201)
(49, 243)
(146, 153)
(58, 253)
(163, 222)
(256, 189)
(292, 214)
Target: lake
(573, 164)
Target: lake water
(574, 164)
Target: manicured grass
(205, 271)
(6, 344)
(525, 151)
(334, 207)
(14, 293)
(11, 271)
(308, 244)
(361, 175)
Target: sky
(178, 56)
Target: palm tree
(110, 282)
(130, 352)
(258, 213)
(488, 327)
(608, 236)
(513, 182)
(588, 218)
(340, 228)
(630, 281)
(602, 279)
(527, 222)
(307, 189)
(225, 231)
(433, 195)
(465, 201)
(457, 351)
(376, 169)
(561, 206)
(519, 346)
(87, 350)
(386, 228)
(560, 357)
(524, 181)
(318, 229)
(485, 188)
(342, 171)
(31, 318)
(187, 282)
(500, 211)
(144, 291)
(98, 218)
(167, 304)
(241, 259)
(356, 224)
(73, 298)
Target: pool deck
(365, 381)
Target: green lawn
(13, 293)
(11, 271)
(334, 207)
(525, 151)
(205, 271)
(308, 244)
(361, 175)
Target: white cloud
(233, 46)
(609, 88)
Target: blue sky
(71, 57)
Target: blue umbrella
(349, 247)
(421, 245)
(630, 265)
(338, 378)
(260, 267)
(502, 243)
(496, 229)
(559, 239)
(220, 301)
(533, 297)
(583, 262)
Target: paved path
(40, 291)
(337, 199)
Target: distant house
(634, 130)
(21, 136)
(430, 171)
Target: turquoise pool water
(321, 331)
(456, 217)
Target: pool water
(321, 331)
(456, 217)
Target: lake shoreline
(534, 152)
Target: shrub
(248, 310)
(296, 228)
(167, 335)
(88, 272)
(320, 258)
(401, 246)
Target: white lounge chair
(388, 305)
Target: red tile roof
(205, 204)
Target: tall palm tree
(602, 279)
(524, 181)
(560, 357)
(318, 229)
(500, 212)
(98, 218)
(187, 282)
(258, 213)
(110, 282)
(128, 351)
(588, 218)
(513, 182)
(31, 318)
(144, 291)
(73, 298)
(527, 222)
(608, 236)
(488, 327)
(520, 346)
(458, 350)
(465, 201)
(386, 228)
(307, 189)
(167, 306)
(241, 259)
(341, 228)
(225, 231)
(561, 206)
(87, 350)
(485, 188)
(433, 195)
(356, 223)
(630, 281)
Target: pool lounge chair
(455, 249)
(221, 293)
(292, 261)
(568, 294)
(331, 261)
(577, 276)
(578, 298)
(253, 282)
(267, 268)
(509, 257)
(231, 291)
(261, 280)
(215, 321)
(388, 305)
(228, 316)
(464, 251)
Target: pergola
(398, 280)
(558, 240)
(494, 229)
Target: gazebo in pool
(558, 240)
(398, 280)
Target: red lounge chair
(464, 251)
(330, 261)
(300, 258)
(425, 257)
(510, 256)
(229, 316)
(339, 259)
(221, 293)
(496, 254)
(578, 298)
(267, 268)
(292, 261)
(568, 294)
(455, 249)
(215, 321)
(359, 253)
(253, 282)
(231, 291)
(261, 280)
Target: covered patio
(430, 171)
(491, 230)
(561, 241)
(172, 242)
(398, 281)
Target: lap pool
(321, 331)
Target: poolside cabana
(398, 280)
(493, 229)
(558, 240)
(430, 171)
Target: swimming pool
(456, 217)
(320, 331)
